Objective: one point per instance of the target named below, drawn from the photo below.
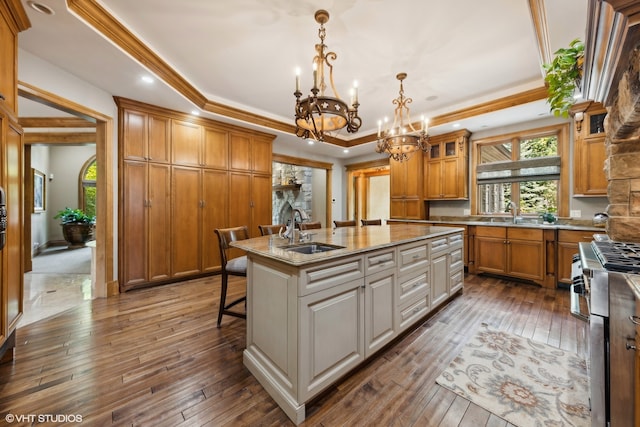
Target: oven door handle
(575, 305)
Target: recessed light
(147, 79)
(346, 150)
(42, 8)
(310, 141)
(195, 112)
(456, 125)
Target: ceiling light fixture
(401, 140)
(318, 115)
(40, 7)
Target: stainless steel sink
(311, 248)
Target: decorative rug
(527, 383)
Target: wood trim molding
(539, 19)
(60, 138)
(372, 164)
(55, 122)
(475, 110)
(290, 160)
(15, 15)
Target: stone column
(622, 126)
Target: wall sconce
(50, 177)
(578, 117)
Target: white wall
(39, 222)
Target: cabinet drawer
(525, 233)
(413, 257)
(324, 276)
(413, 312)
(380, 260)
(456, 240)
(457, 281)
(439, 244)
(457, 259)
(411, 286)
(572, 236)
(485, 231)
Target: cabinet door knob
(631, 346)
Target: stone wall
(622, 126)
(284, 201)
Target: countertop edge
(300, 260)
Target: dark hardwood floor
(154, 357)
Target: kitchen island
(316, 310)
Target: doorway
(368, 190)
(105, 283)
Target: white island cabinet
(312, 318)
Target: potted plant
(77, 226)
(563, 75)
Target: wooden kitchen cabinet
(513, 251)
(446, 167)
(589, 177)
(406, 180)
(181, 179)
(13, 20)
(567, 246)
(146, 224)
(145, 137)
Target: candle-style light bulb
(315, 75)
(297, 79)
(355, 90)
(379, 128)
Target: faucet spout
(291, 230)
(514, 211)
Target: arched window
(88, 176)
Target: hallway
(60, 279)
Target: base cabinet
(511, 251)
(567, 247)
(309, 326)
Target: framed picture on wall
(39, 188)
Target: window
(524, 168)
(88, 176)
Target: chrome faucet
(291, 231)
(514, 211)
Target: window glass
(525, 171)
(88, 195)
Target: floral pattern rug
(527, 383)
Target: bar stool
(310, 225)
(350, 223)
(266, 230)
(231, 267)
(371, 221)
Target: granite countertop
(528, 223)
(353, 240)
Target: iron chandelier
(401, 140)
(318, 115)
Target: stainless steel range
(600, 274)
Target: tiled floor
(50, 289)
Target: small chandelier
(317, 114)
(402, 140)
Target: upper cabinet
(406, 188)
(589, 178)
(446, 167)
(145, 137)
